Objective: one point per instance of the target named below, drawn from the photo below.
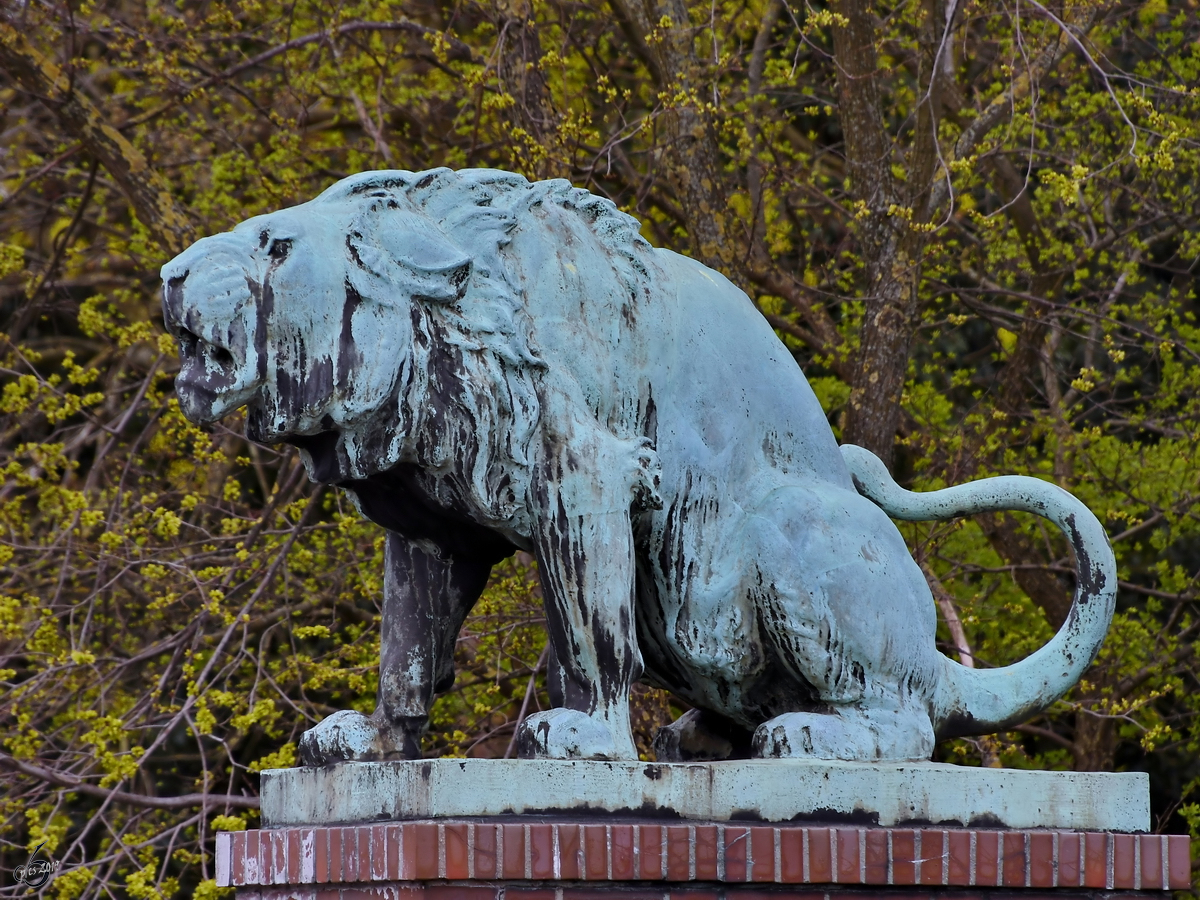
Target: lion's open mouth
(322, 450)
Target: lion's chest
(399, 501)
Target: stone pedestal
(519, 830)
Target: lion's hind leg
(849, 613)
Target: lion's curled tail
(981, 701)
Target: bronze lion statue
(485, 364)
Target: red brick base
(628, 891)
(417, 859)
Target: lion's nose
(222, 357)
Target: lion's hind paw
(850, 734)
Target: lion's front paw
(349, 736)
(564, 734)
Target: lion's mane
(466, 399)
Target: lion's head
(336, 318)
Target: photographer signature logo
(37, 871)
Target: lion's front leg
(583, 536)
(427, 593)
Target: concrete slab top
(884, 794)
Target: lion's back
(663, 346)
(735, 387)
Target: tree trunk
(890, 245)
(1095, 742)
(692, 162)
(518, 67)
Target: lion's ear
(411, 253)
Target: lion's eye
(279, 249)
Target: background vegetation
(976, 224)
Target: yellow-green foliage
(177, 606)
